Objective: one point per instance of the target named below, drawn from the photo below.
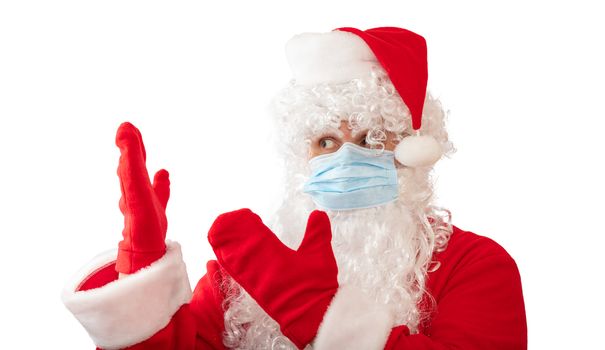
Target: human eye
(326, 142)
(363, 142)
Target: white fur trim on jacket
(353, 321)
(129, 310)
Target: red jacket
(477, 292)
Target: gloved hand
(294, 287)
(143, 204)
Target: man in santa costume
(357, 257)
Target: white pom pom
(418, 151)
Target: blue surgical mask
(353, 177)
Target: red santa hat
(348, 53)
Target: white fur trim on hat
(353, 321)
(333, 57)
(129, 310)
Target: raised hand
(295, 287)
(142, 203)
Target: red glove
(143, 204)
(294, 287)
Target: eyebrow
(361, 131)
(339, 133)
(331, 131)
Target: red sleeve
(479, 301)
(198, 325)
(179, 334)
(207, 308)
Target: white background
(523, 82)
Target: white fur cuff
(129, 310)
(353, 321)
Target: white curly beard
(382, 250)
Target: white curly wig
(384, 250)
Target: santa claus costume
(357, 256)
